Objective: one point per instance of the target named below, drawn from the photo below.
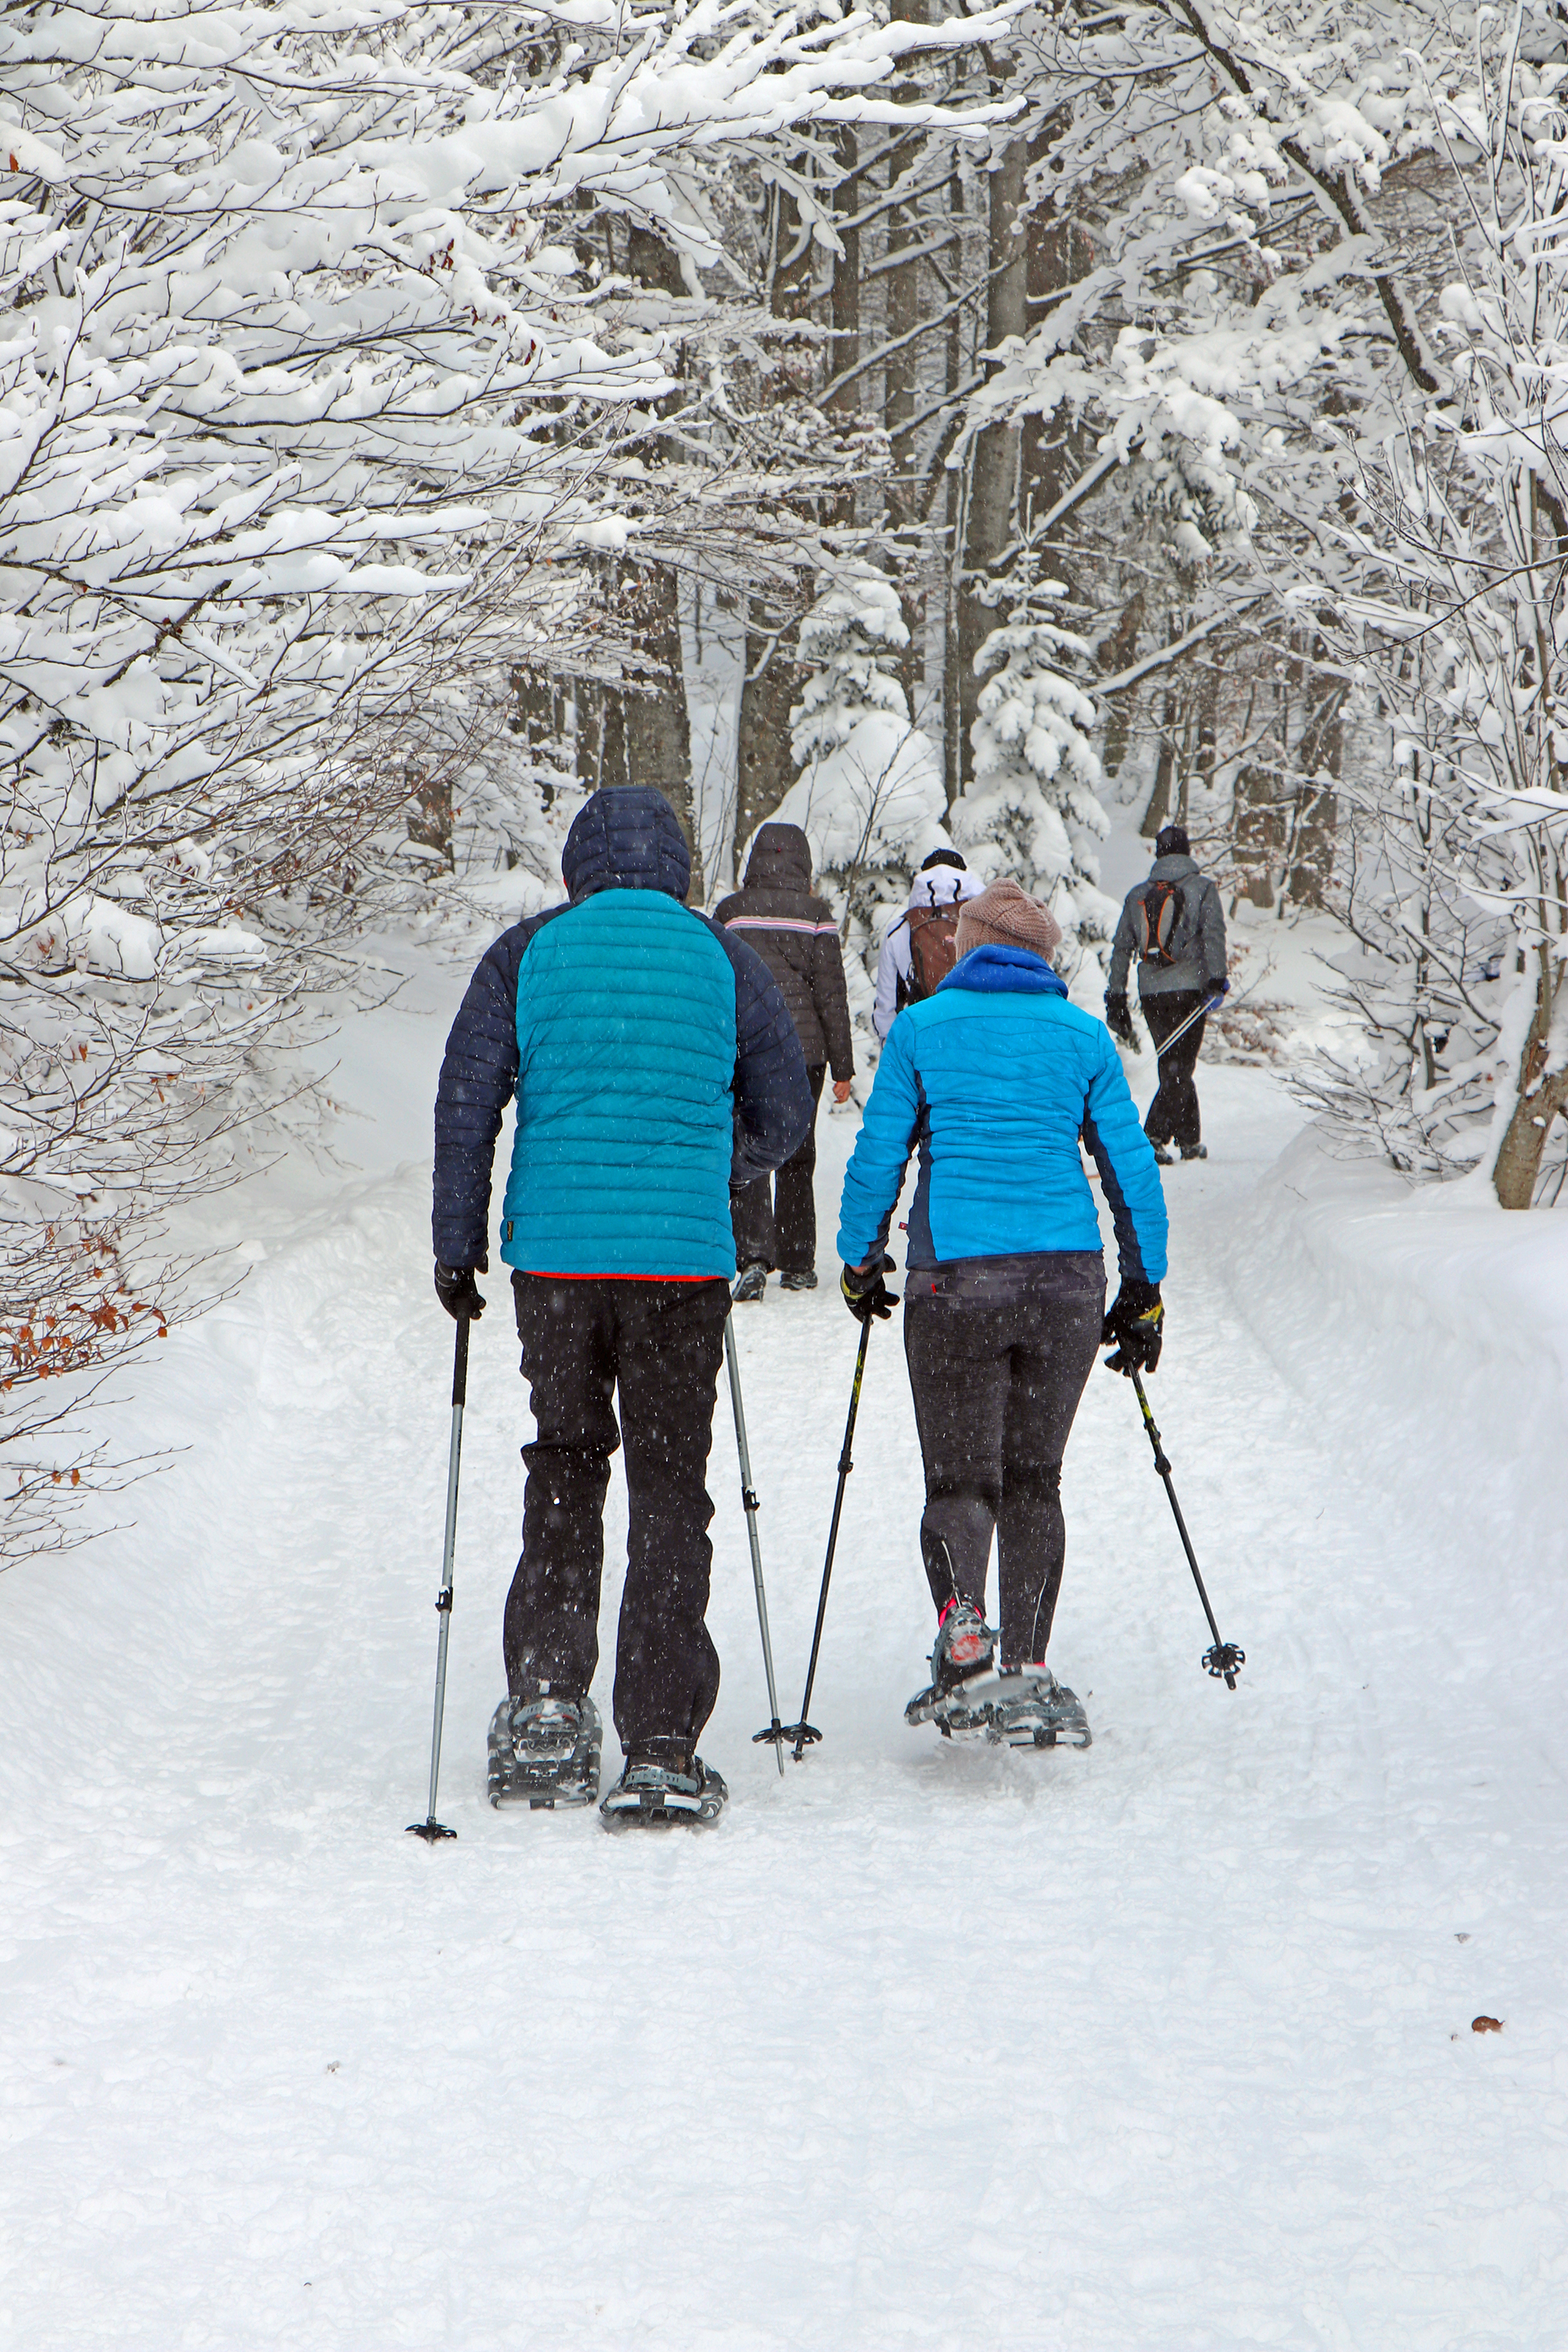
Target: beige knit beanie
(1005, 916)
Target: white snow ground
(1164, 2045)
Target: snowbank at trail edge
(1428, 1330)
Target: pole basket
(802, 1735)
(429, 1830)
(774, 1736)
(1225, 1662)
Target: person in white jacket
(940, 888)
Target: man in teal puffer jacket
(653, 1060)
(995, 1078)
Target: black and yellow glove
(865, 1292)
(1137, 1326)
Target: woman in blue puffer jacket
(996, 1078)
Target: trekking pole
(1224, 1659)
(776, 1730)
(1161, 1050)
(803, 1733)
(430, 1828)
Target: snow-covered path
(1164, 2045)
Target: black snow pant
(1173, 1113)
(781, 1231)
(998, 1350)
(661, 1343)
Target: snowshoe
(652, 1794)
(753, 1283)
(965, 1647)
(1028, 1708)
(546, 1753)
(807, 1281)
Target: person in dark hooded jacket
(653, 1060)
(797, 939)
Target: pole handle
(460, 1363)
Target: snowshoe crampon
(546, 1753)
(659, 1796)
(1019, 1707)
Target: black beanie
(943, 857)
(1171, 841)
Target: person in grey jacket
(1173, 923)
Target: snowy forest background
(923, 425)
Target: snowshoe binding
(546, 1753)
(657, 1792)
(1026, 1706)
(965, 1649)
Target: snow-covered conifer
(1034, 811)
(870, 794)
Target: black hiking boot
(753, 1282)
(965, 1647)
(807, 1281)
(1165, 1155)
(1194, 1152)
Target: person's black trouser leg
(662, 1342)
(775, 1220)
(996, 1388)
(551, 1635)
(751, 1220)
(667, 1669)
(1049, 1370)
(795, 1196)
(1174, 1114)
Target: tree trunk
(1053, 449)
(1158, 812)
(765, 766)
(990, 519)
(1116, 655)
(955, 507)
(430, 819)
(659, 727)
(1318, 755)
(1257, 831)
(764, 770)
(1540, 1100)
(657, 723)
(843, 406)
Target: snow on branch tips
(311, 420)
(1451, 613)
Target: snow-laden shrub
(1032, 812)
(870, 795)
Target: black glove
(457, 1291)
(1136, 1323)
(866, 1293)
(1217, 987)
(1118, 1021)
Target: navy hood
(627, 837)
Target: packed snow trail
(1157, 2048)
